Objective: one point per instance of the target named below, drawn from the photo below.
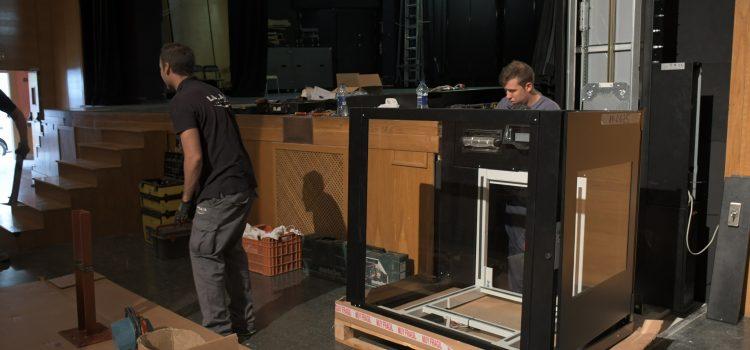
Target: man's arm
(191, 148)
(20, 120)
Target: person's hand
(22, 150)
(183, 212)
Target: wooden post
(728, 298)
(88, 331)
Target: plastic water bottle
(422, 91)
(341, 108)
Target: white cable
(691, 200)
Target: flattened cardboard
(33, 313)
(371, 83)
(183, 339)
(69, 280)
(642, 337)
(170, 339)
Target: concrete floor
(698, 332)
(293, 303)
(294, 310)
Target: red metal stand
(88, 331)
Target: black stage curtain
(248, 28)
(121, 42)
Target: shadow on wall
(327, 217)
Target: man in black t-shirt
(7, 106)
(219, 179)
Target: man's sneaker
(243, 337)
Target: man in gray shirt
(517, 79)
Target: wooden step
(43, 203)
(111, 146)
(64, 183)
(61, 189)
(20, 219)
(90, 164)
(106, 151)
(85, 170)
(128, 135)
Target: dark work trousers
(220, 264)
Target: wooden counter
(304, 183)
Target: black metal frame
(538, 308)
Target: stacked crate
(326, 257)
(160, 200)
(270, 257)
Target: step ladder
(411, 42)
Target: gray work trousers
(220, 264)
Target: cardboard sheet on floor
(33, 313)
(69, 280)
(493, 310)
(643, 336)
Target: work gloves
(184, 212)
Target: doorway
(7, 133)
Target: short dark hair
(180, 58)
(518, 70)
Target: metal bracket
(733, 219)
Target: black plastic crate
(324, 253)
(173, 168)
(171, 242)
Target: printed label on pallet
(392, 327)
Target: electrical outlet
(734, 214)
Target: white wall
(7, 131)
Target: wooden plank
(737, 162)
(738, 147)
(350, 318)
(344, 333)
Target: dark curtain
(544, 59)
(248, 28)
(121, 41)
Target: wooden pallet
(350, 321)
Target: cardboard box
(369, 83)
(183, 339)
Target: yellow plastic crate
(161, 188)
(156, 219)
(161, 205)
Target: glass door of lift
(491, 309)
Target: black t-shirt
(6, 105)
(227, 168)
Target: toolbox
(152, 220)
(384, 267)
(326, 257)
(171, 241)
